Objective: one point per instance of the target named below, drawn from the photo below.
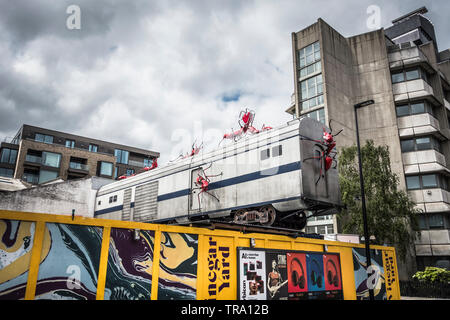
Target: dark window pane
(436, 221)
(412, 182)
(402, 111)
(412, 74)
(429, 181)
(407, 145)
(397, 77)
(423, 143)
(418, 108)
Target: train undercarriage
(267, 216)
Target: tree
(391, 214)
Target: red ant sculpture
(327, 155)
(202, 183)
(245, 121)
(153, 166)
(194, 150)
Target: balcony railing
(34, 159)
(136, 163)
(78, 166)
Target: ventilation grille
(145, 202)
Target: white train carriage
(264, 178)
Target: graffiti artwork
(15, 254)
(70, 262)
(178, 266)
(130, 262)
(376, 278)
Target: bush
(433, 274)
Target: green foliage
(390, 212)
(433, 274)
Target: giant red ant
(202, 183)
(327, 155)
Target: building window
(148, 162)
(51, 159)
(8, 156)
(121, 156)
(45, 175)
(318, 115)
(407, 75)
(70, 144)
(106, 168)
(93, 148)
(426, 181)
(43, 138)
(313, 68)
(311, 92)
(6, 172)
(413, 108)
(422, 143)
(309, 54)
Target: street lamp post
(363, 197)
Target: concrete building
(403, 71)
(37, 155)
(56, 197)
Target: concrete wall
(59, 198)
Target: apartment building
(38, 155)
(403, 71)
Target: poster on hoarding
(271, 274)
(277, 280)
(252, 275)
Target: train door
(194, 200)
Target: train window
(99, 203)
(277, 151)
(115, 198)
(110, 199)
(265, 154)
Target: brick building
(37, 155)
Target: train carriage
(270, 178)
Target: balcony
(409, 57)
(413, 90)
(418, 124)
(423, 161)
(78, 166)
(431, 200)
(433, 242)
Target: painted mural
(15, 253)
(178, 266)
(70, 262)
(130, 264)
(377, 279)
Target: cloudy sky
(158, 74)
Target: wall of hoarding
(54, 257)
